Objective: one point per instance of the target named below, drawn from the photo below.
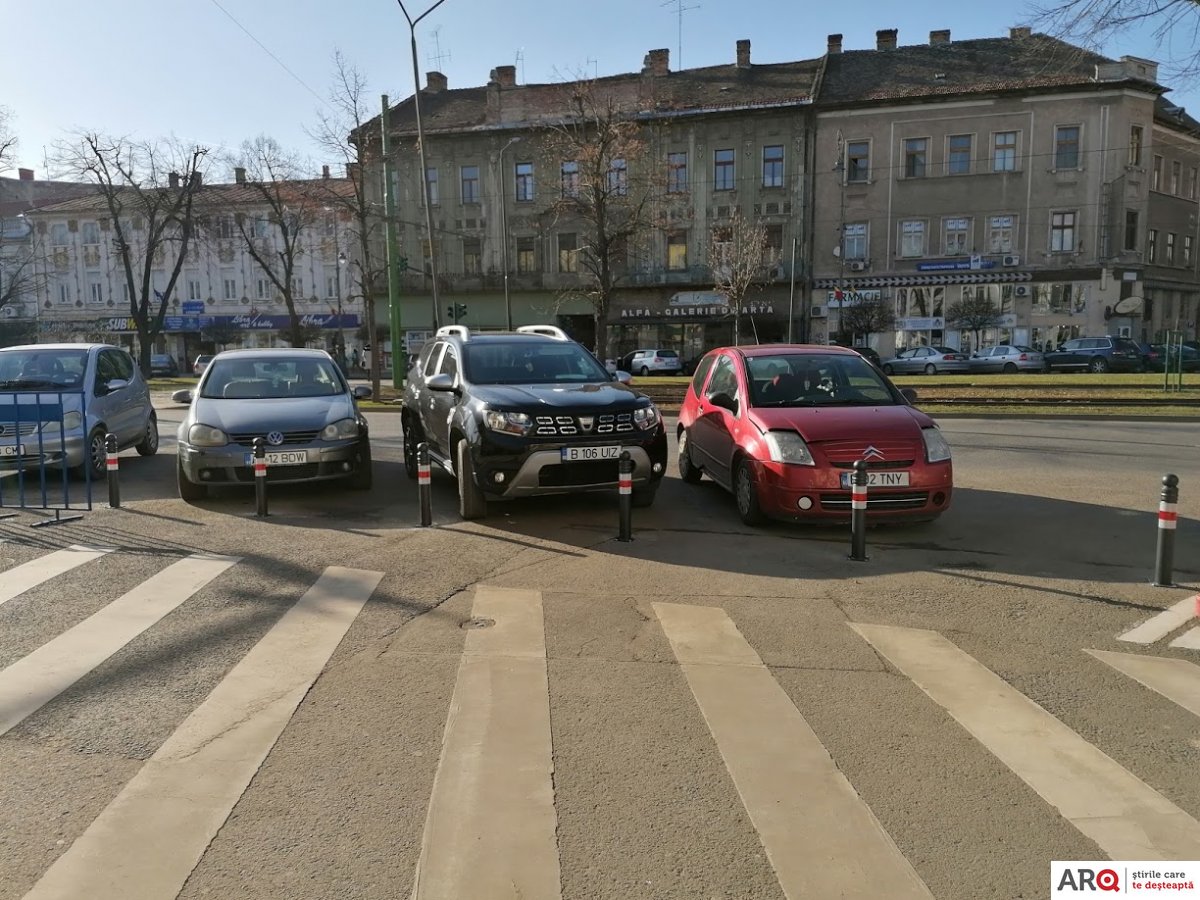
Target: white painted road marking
(1126, 817)
(148, 840)
(1176, 679)
(1161, 625)
(491, 826)
(821, 838)
(1189, 640)
(26, 576)
(38, 678)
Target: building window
(1066, 147)
(90, 233)
(1187, 249)
(331, 283)
(618, 178)
(912, 238)
(524, 172)
(298, 284)
(958, 154)
(193, 289)
(431, 179)
(677, 250)
(1151, 244)
(59, 235)
(1131, 229)
(1136, 137)
(722, 252)
(470, 184)
(677, 173)
(915, 157)
(854, 241)
(723, 173)
(858, 161)
(568, 253)
(772, 167)
(96, 292)
(773, 246)
(526, 256)
(262, 289)
(472, 256)
(1191, 189)
(64, 292)
(569, 176)
(1176, 178)
(1156, 178)
(1062, 232)
(230, 284)
(1004, 151)
(1170, 254)
(958, 236)
(1002, 234)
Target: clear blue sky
(158, 67)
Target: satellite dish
(1130, 306)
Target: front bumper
(50, 452)
(227, 465)
(784, 490)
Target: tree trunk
(601, 320)
(373, 340)
(146, 343)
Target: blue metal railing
(34, 451)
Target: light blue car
(58, 401)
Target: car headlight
(340, 430)
(207, 436)
(788, 447)
(936, 448)
(507, 422)
(647, 417)
(72, 420)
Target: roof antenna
(520, 61)
(595, 64)
(680, 9)
(436, 58)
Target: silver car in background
(927, 360)
(1008, 358)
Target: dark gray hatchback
(1100, 354)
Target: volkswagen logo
(275, 438)
(868, 454)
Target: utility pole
(393, 255)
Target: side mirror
(909, 394)
(622, 377)
(113, 385)
(440, 382)
(362, 392)
(724, 401)
(181, 397)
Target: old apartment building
(1054, 181)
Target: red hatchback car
(781, 426)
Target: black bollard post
(260, 476)
(625, 496)
(424, 484)
(112, 469)
(858, 512)
(1164, 560)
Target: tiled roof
(1175, 117)
(222, 195)
(988, 65)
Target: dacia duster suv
(527, 413)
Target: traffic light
(457, 311)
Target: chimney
(197, 179)
(435, 82)
(834, 44)
(885, 39)
(25, 174)
(325, 172)
(173, 179)
(743, 54)
(657, 63)
(505, 76)
(239, 175)
(939, 37)
(1023, 31)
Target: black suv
(526, 413)
(1100, 354)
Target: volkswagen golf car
(781, 426)
(296, 400)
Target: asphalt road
(525, 707)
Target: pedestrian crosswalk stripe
(821, 838)
(19, 579)
(1126, 817)
(491, 826)
(1176, 679)
(34, 680)
(1189, 640)
(148, 840)
(1161, 625)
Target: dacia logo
(586, 422)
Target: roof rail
(547, 330)
(461, 331)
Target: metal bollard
(858, 512)
(260, 476)
(112, 469)
(424, 484)
(1164, 560)
(625, 496)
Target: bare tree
(222, 334)
(866, 317)
(21, 275)
(738, 259)
(609, 195)
(974, 314)
(8, 140)
(277, 235)
(150, 191)
(340, 133)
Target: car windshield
(34, 368)
(813, 379)
(528, 362)
(271, 379)
(668, 354)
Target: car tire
(149, 442)
(644, 372)
(95, 455)
(364, 475)
(688, 470)
(745, 494)
(888, 370)
(1099, 365)
(472, 504)
(931, 369)
(412, 437)
(1010, 368)
(189, 491)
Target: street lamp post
(341, 324)
(508, 317)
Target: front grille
(578, 473)
(891, 453)
(886, 464)
(8, 429)
(878, 502)
(279, 473)
(289, 437)
(582, 425)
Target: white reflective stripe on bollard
(423, 475)
(1167, 516)
(110, 461)
(260, 469)
(625, 487)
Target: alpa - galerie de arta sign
(698, 305)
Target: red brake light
(1022, 357)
